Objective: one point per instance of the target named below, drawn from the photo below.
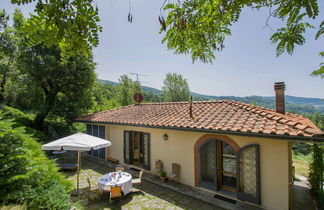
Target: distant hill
(145, 88)
(293, 103)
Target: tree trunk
(50, 99)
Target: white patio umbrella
(77, 142)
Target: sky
(247, 66)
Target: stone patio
(151, 194)
(147, 196)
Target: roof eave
(316, 138)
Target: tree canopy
(35, 78)
(126, 90)
(27, 177)
(66, 88)
(8, 49)
(195, 27)
(175, 88)
(73, 25)
(199, 27)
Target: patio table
(119, 178)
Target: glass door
(136, 148)
(227, 167)
(207, 153)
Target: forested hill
(293, 103)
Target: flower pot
(163, 179)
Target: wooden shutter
(102, 151)
(102, 132)
(146, 151)
(208, 165)
(248, 174)
(89, 131)
(95, 132)
(127, 147)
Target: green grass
(301, 163)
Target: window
(137, 148)
(98, 131)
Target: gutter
(236, 133)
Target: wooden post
(78, 170)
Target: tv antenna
(137, 75)
(138, 97)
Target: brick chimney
(279, 88)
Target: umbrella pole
(78, 170)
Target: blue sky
(247, 66)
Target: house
(225, 147)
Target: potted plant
(163, 176)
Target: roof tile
(223, 115)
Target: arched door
(217, 165)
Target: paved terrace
(150, 195)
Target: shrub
(316, 170)
(26, 175)
(13, 158)
(163, 174)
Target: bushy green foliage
(152, 97)
(72, 25)
(195, 27)
(199, 28)
(21, 119)
(27, 177)
(104, 97)
(316, 169)
(8, 50)
(302, 148)
(67, 96)
(35, 78)
(175, 88)
(13, 158)
(320, 72)
(126, 90)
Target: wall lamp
(165, 137)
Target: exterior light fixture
(165, 137)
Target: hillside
(293, 103)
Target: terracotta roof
(221, 115)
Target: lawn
(301, 163)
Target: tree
(13, 158)
(66, 87)
(152, 97)
(105, 97)
(27, 177)
(316, 169)
(195, 27)
(175, 88)
(320, 72)
(199, 27)
(126, 90)
(8, 49)
(72, 25)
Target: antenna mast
(138, 97)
